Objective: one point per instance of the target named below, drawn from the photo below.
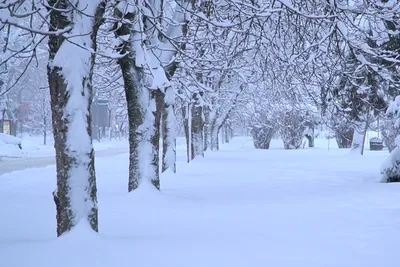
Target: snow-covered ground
(31, 158)
(32, 147)
(235, 207)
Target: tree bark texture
(207, 128)
(169, 132)
(186, 127)
(197, 142)
(76, 194)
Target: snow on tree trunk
(197, 127)
(207, 129)
(144, 79)
(190, 131)
(390, 169)
(389, 133)
(143, 131)
(214, 136)
(185, 110)
(169, 132)
(357, 145)
(182, 18)
(219, 118)
(70, 72)
(214, 126)
(131, 76)
(158, 98)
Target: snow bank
(10, 146)
(32, 147)
(9, 139)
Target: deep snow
(235, 207)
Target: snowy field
(236, 207)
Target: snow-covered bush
(343, 132)
(6, 139)
(262, 135)
(260, 119)
(390, 169)
(292, 127)
(389, 132)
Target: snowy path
(7, 166)
(236, 207)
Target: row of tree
(207, 64)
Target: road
(7, 166)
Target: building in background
(100, 118)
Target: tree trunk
(310, 139)
(186, 125)
(207, 129)
(44, 131)
(158, 97)
(227, 136)
(168, 132)
(214, 136)
(218, 120)
(144, 121)
(359, 134)
(144, 127)
(135, 116)
(71, 96)
(197, 127)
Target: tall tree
(70, 70)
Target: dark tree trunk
(158, 97)
(197, 128)
(227, 135)
(223, 133)
(44, 130)
(68, 160)
(131, 76)
(186, 115)
(207, 128)
(138, 110)
(311, 136)
(215, 136)
(310, 139)
(135, 117)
